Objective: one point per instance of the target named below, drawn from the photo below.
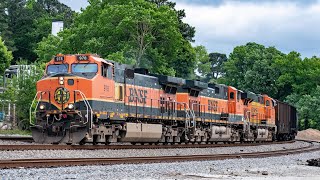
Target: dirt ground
(309, 134)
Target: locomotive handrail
(135, 103)
(211, 111)
(187, 123)
(30, 109)
(88, 107)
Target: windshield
(84, 68)
(57, 68)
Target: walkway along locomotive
(86, 99)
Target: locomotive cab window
(267, 103)
(238, 96)
(232, 95)
(84, 68)
(57, 68)
(104, 69)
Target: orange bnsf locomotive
(86, 99)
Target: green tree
(308, 107)
(20, 23)
(5, 31)
(307, 76)
(203, 63)
(217, 60)
(21, 89)
(48, 48)
(187, 31)
(249, 67)
(136, 29)
(29, 21)
(288, 69)
(5, 57)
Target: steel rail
(114, 147)
(29, 163)
(16, 138)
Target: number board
(59, 58)
(82, 58)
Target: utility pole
(14, 120)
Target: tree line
(153, 35)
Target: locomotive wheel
(82, 142)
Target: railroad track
(16, 138)
(28, 163)
(113, 147)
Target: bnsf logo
(138, 95)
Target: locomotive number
(213, 105)
(138, 95)
(254, 111)
(59, 58)
(82, 58)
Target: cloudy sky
(223, 24)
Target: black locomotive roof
(169, 80)
(196, 84)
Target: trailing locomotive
(86, 99)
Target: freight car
(86, 99)
(286, 121)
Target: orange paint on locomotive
(97, 88)
(207, 104)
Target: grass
(15, 132)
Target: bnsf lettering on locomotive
(138, 95)
(212, 105)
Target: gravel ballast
(144, 152)
(282, 167)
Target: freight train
(86, 99)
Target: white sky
(223, 24)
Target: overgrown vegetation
(15, 132)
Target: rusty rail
(16, 138)
(28, 163)
(97, 147)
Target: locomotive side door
(107, 85)
(232, 97)
(119, 91)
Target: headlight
(61, 82)
(42, 107)
(61, 78)
(70, 106)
